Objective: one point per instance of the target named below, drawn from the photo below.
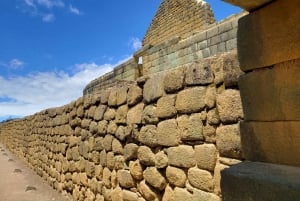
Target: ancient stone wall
(174, 52)
(165, 137)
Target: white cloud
(74, 10)
(135, 43)
(30, 3)
(25, 95)
(50, 3)
(48, 17)
(16, 64)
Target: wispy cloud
(25, 95)
(48, 17)
(135, 43)
(16, 64)
(50, 3)
(74, 10)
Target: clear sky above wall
(50, 49)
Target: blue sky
(50, 49)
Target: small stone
(161, 160)
(125, 179)
(146, 156)
(154, 178)
(136, 169)
(176, 176)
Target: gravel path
(20, 183)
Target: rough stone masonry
(165, 136)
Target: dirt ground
(20, 183)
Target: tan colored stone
(110, 160)
(119, 162)
(147, 192)
(122, 95)
(272, 142)
(272, 94)
(83, 179)
(206, 156)
(229, 106)
(168, 133)
(217, 177)
(130, 151)
(268, 41)
(90, 169)
(121, 114)
(112, 128)
(210, 97)
(191, 100)
(122, 132)
(146, 156)
(135, 95)
(102, 127)
(209, 133)
(117, 147)
(73, 141)
(103, 158)
(129, 196)
(112, 98)
(153, 88)
(168, 194)
(201, 179)
(98, 146)
(107, 142)
(91, 112)
(99, 112)
(191, 128)
(174, 81)
(229, 141)
(114, 179)
(213, 117)
(199, 195)
(199, 73)
(134, 115)
(99, 172)
(148, 135)
(166, 106)
(161, 160)
(106, 177)
(109, 114)
(149, 115)
(136, 169)
(181, 194)
(155, 178)
(176, 176)
(125, 179)
(181, 156)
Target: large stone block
(153, 88)
(260, 182)
(191, 128)
(191, 100)
(176, 176)
(273, 142)
(272, 94)
(206, 156)
(134, 115)
(148, 135)
(135, 94)
(201, 179)
(166, 106)
(155, 178)
(263, 41)
(174, 80)
(181, 156)
(168, 133)
(199, 74)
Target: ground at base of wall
(19, 183)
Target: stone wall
(164, 137)
(214, 40)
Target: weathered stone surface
(121, 114)
(134, 115)
(119, 162)
(110, 160)
(199, 195)
(93, 127)
(106, 177)
(176, 176)
(209, 133)
(201, 179)
(272, 94)
(125, 179)
(153, 88)
(191, 128)
(99, 112)
(149, 115)
(102, 127)
(210, 97)
(168, 133)
(161, 160)
(148, 135)
(112, 128)
(199, 74)
(117, 147)
(273, 142)
(117, 194)
(146, 156)
(181, 156)
(169, 194)
(122, 132)
(229, 141)
(109, 114)
(147, 192)
(154, 178)
(232, 71)
(268, 41)
(174, 81)
(107, 142)
(130, 151)
(260, 181)
(112, 98)
(229, 106)
(191, 100)
(181, 194)
(135, 95)
(206, 156)
(136, 169)
(217, 177)
(213, 117)
(166, 106)
(129, 196)
(122, 95)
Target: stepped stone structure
(175, 126)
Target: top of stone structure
(249, 5)
(178, 18)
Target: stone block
(110, 114)
(125, 179)
(168, 194)
(168, 133)
(217, 177)
(147, 192)
(121, 114)
(117, 147)
(166, 106)
(148, 135)
(176, 176)
(122, 95)
(161, 160)
(149, 115)
(146, 156)
(213, 117)
(229, 141)
(155, 178)
(273, 142)
(206, 156)
(191, 128)
(174, 80)
(135, 95)
(129, 196)
(231, 69)
(191, 100)
(181, 156)
(199, 74)
(130, 151)
(229, 105)
(134, 115)
(201, 179)
(272, 94)
(262, 39)
(181, 194)
(260, 181)
(99, 112)
(112, 98)
(136, 169)
(153, 88)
